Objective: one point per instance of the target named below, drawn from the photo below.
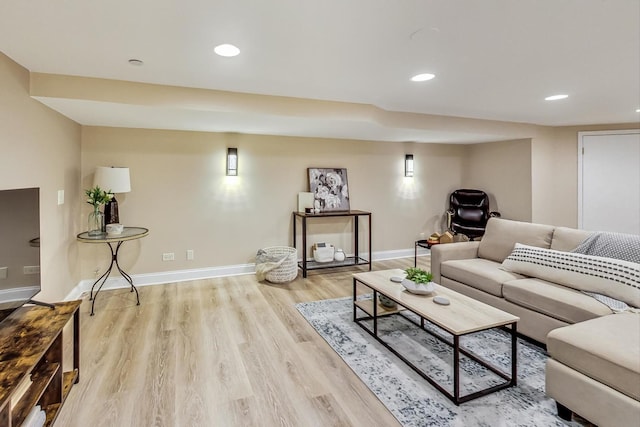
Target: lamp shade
(112, 179)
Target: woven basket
(288, 270)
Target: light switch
(60, 197)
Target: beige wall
(41, 148)
(180, 192)
(555, 173)
(503, 171)
(532, 180)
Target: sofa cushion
(611, 245)
(502, 234)
(611, 277)
(567, 239)
(478, 273)
(557, 301)
(606, 349)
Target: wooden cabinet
(31, 346)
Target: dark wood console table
(307, 265)
(31, 347)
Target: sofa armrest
(445, 252)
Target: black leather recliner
(469, 212)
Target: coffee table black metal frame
(510, 380)
(128, 233)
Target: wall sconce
(408, 165)
(232, 162)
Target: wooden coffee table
(463, 316)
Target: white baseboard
(18, 294)
(399, 253)
(163, 277)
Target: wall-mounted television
(19, 248)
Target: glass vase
(96, 222)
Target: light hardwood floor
(218, 352)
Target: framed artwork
(330, 189)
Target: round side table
(128, 233)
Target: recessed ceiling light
(136, 62)
(555, 97)
(226, 50)
(422, 77)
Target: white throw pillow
(608, 276)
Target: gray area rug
(411, 399)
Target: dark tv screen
(19, 248)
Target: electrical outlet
(31, 269)
(169, 256)
(189, 254)
(60, 197)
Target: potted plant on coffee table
(418, 281)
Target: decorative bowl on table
(114, 229)
(387, 302)
(418, 288)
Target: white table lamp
(115, 180)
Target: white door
(609, 181)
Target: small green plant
(418, 275)
(97, 196)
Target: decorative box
(323, 252)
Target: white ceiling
(493, 59)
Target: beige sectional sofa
(594, 370)
(474, 269)
(594, 364)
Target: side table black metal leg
(355, 240)
(126, 275)
(104, 277)
(419, 244)
(294, 230)
(106, 274)
(370, 247)
(304, 246)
